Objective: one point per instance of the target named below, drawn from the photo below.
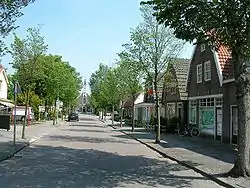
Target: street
(90, 154)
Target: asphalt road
(90, 154)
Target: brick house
(208, 75)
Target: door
(179, 111)
(234, 124)
(218, 127)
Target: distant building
(84, 105)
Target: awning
(8, 104)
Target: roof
(129, 102)
(224, 59)
(180, 67)
(181, 71)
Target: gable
(2, 71)
(221, 58)
(176, 77)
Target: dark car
(73, 116)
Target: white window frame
(199, 74)
(203, 47)
(207, 72)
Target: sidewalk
(208, 157)
(33, 132)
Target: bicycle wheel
(181, 133)
(195, 132)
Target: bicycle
(189, 130)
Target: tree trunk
(113, 114)
(121, 114)
(157, 110)
(105, 115)
(102, 113)
(54, 113)
(133, 114)
(25, 114)
(242, 82)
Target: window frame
(199, 73)
(192, 108)
(206, 71)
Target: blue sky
(84, 32)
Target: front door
(234, 124)
(218, 127)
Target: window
(203, 47)
(199, 73)
(218, 101)
(207, 71)
(206, 102)
(170, 110)
(1, 84)
(192, 112)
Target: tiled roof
(181, 72)
(225, 62)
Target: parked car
(73, 116)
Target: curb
(203, 173)
(25, 144)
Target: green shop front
(206, 114)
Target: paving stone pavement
(89, 154)
(33, 132)
(209, 156)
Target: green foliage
(25, 53)
(219, 22)
(152, 46)
(43, 77)
(129, 76)
(10, 10)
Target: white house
(3, 83)
(4, 102)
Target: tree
(129, 81)
(10, 10)
(152, 46)
(26, 53)
(109, 89)
(218, 23)
(97, 97)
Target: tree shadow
(86, 139)
(46, 166)
(217, 150)
(85, 130)
(87, 125)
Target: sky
(84, 32)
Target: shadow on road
(211, 148)
(69, 138)
(46, 166)
(84, 124)
(85, 130)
